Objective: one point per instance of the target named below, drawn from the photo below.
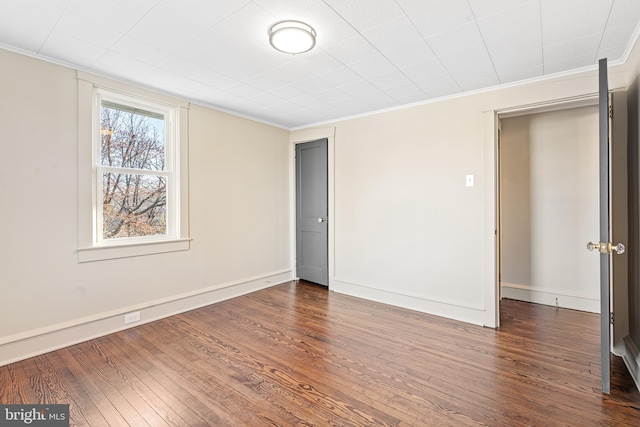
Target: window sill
(100, 253)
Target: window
(132, 180)
(135, 171)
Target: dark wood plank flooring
(297, 355)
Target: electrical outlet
(131, 317)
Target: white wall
(549, 198)
(239, 219)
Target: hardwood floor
(297, 355)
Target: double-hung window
(136, 177)
(135, 174)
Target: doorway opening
(613, 213)
(619, 204)
(548, 207)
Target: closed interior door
(312, 219)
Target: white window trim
(171, 172)
(90, 246)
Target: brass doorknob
(606, 248)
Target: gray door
(312, 228)
(605, 264)
(604, 246)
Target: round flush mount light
(292, 37)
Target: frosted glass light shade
(292, 37)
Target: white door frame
(300, 137)
(490, 120)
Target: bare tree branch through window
(134, 204)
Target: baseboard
(34, 343)
(631, 358)
(550, 297)
(448, 309)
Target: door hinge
(611, 111)
(612, 319)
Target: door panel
(312, 229)
(605, 264)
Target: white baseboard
(549, 297)
(34, 343)
(631, 358)
(448, 309)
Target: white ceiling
(370, 54)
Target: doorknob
(619, 248)
(606, 248)
(321, 220)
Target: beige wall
(403, 214)
(632, 340)
(239, 215)
(406, 229)
(515, 201)
(549, 199)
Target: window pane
(131, 138)
(133, 205)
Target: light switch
(469, 180)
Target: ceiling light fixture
(292, 37)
